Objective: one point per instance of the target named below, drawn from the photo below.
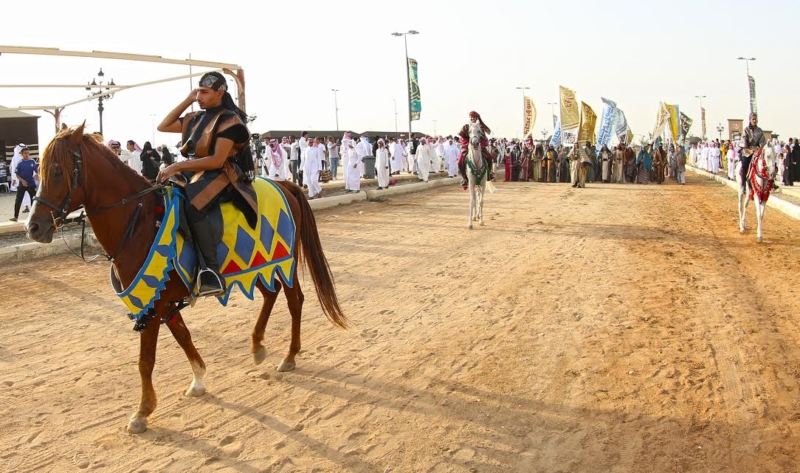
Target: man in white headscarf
(451, 152)
(312, 165)
(26, 200)
(437, 163)
(396, 147)
(351, 158)
(274, 161)
(382, 165)
(365, 151)
(425, 157)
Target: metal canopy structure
(234, 70)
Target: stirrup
(217, 291)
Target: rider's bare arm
(172, 122)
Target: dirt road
(607, 329)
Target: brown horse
(77, 170)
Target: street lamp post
(100, 94)
(719, 130)
(408, 78)
(747, 63)
(336, 105)
(434, 129)
(553, 113)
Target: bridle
(63, 210)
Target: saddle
(245, 254)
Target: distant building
(16, 127)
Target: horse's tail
(315, 260)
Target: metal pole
(395, 115)
(408, 83)
(100, 110)
(336, 104)
(190, 80)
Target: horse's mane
(58, 155)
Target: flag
(703, 122)
(555, 141)
(530, 117)
(674, 122)
(570, 114)
(588, 122)
(661, 121)
(686, 123)
(752, 83)
(555, 121)
(621, 126)
(415, 104)
(606, 124)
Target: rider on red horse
(464, 138)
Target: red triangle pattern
(258, 260)
(232, 267)
(280, 252)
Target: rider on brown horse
(474, 117)
(215, 141)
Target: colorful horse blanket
(245, 255)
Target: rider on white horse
(752, 138)
(474, 117)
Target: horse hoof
(137, 425)
(760, 239)
(196, 389)
(469, 226)
(286, 366)
(260, 355)
(481, 223)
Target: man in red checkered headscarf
(463, 135)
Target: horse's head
(475, 135)
(61, 181)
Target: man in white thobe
(732, 159)
(312, 164)
(425, 157)
(451, 152)
(437, 162)
(275, 161)
(26, 199)
(351, 158)
(365, 151)
(713, 157)
(397, 156)
(382, 165)
(135, 161)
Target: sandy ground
(607, 329)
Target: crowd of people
(304, 160)
(542, 162)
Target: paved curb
(33, 250)
(774, 201)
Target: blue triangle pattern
(136, 301)
(267, 233)
(151, 281)
(285, 228)
(187, 258)
(222, 252)
(244, 245)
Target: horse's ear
(76, 136)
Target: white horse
(760, 178)
(477, 174)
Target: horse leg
(471, 203)
(760, 207)
(742, 208)
(184, 339)
(295, 298)
(147, 360)
(257, 349)
(480, 202)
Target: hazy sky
(472, 55)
